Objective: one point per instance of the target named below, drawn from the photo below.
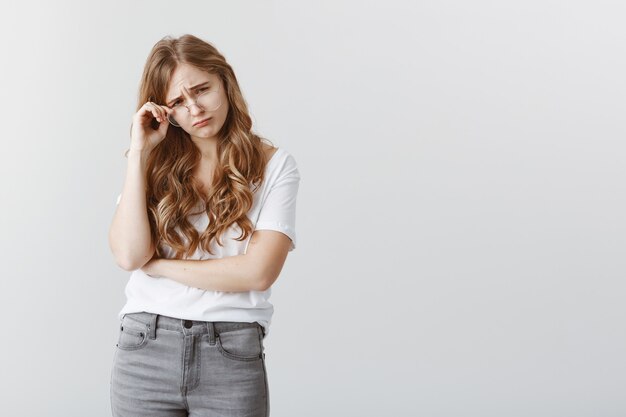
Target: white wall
(460, 215)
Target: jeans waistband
(154, 321)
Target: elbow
(266, 274)
(127, 265)
(130, 252)
(264, 281)
(125, 260)
(131, 261)
(262, 286)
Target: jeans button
(188, 324)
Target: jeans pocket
(133, 334)
(241, 344)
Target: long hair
(172, 193)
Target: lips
(201, 121)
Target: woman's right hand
(143, 137)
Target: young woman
(204, 222)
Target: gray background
(460, 216)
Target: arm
(254, 271)
(129, 233)
(259, 267)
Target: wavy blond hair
(172, 193)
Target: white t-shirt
(273, 208)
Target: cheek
(223, 113)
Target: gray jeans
(165, 367)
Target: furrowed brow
(195, 86)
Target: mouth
(202, 122)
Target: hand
(142, 135)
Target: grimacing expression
(189, 86)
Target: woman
(204, 222)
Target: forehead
(186, 76)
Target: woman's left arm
(256, 270)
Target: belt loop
(211, 331)
(152, 326)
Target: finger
(155, 110)
(163, 127)
(164, 111)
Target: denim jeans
(164, 366)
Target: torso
(204, 173)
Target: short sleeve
(279, 208)
(118, 199)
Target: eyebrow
(195, 86)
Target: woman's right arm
(129, 234)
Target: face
(188, 84)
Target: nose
(195, 109)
